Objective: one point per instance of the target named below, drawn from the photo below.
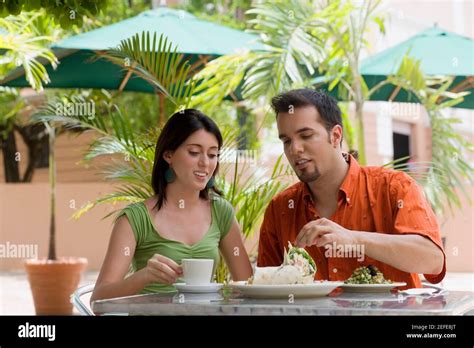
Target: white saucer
(199, 289)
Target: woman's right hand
(161, 269)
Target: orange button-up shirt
(371, 199)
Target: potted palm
(53, 279)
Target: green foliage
(219, 11)
(292, 50)
(347, 126)
(345, 25)
(64, 12)
(116, 136)
(23, 45)
(156, 60)
(219, 78)
(10, 104)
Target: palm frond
(157, 62)
(25, 46)
(292, 52)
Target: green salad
(367, 275)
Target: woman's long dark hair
(175, 132)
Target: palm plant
(10, 105)
(448, 171)
(293, 48)
(345, 25)
(24, 44)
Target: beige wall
(24, 219)
(459, 232)
(69, 152)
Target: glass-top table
(337, 303)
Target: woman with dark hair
(186, 218)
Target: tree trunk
(10, 160)
(35, 138)
(52, 182)
(242, 138)
(34, 151)
(360, 132)
(240, 14)
(359, 112)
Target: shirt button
(365, 216)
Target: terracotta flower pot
(53, 282)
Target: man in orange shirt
(345, 215)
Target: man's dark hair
(296, 98)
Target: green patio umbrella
(198, 40)
(440, 53)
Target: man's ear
(336, 136)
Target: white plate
(371, 287)
(315, 289)
(199, 289)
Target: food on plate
(367, 275)
(297, 268)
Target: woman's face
(195, 160)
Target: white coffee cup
(197, 271)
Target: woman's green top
(150, 242)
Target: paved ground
(15, 293)
(16, 299)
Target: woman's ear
(167, 156)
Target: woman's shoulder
(134, 206)
(135, 215)
(221, 202)
(149, 203)
(224, 213)
(133, 209)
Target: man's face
(306, 143)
